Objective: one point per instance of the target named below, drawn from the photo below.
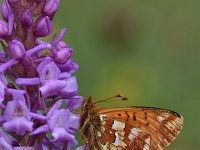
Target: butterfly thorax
(89, 120)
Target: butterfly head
(87, 104)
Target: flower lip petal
(74, 102)
(41, 129)
(51, 87)
(18, 125)
(55, 107)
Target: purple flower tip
(5, 10)
(63, 55)
(51, 7)
(27, 19)
(3, 29)
(17, 49)
(43, 27)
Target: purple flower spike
(43, 27)
(3, 29)
(17, 49)
(27, 18)
(36, 79)
(51, 7)
(17, 117)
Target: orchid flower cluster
(38, 91)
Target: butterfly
(128, 128)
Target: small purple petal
(5, 10)
(51, 87)
(37, 116)
(27, 81)
(60, 118)
(16, 94)
(64, 75)
(61, 35)
(51, 7)
(17, 49)
(74, 121)
(10, 23)
(8, 64)
(4, 145)
(60, 134)
(38, 48)
(3, 79)
(18, 125)
(27, 18)
(71, 85)
(3, 29)
(74, 102)
(17, 117)
(63, 55)
(49, 71)
(60, 45)
(2, 54)
(2, 92)
(43, 64)
(41, 129)
(55, 107)
(69, 66)
(43, 27)
(23, 148)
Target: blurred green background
(149, 50)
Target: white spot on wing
(119, 142)
(117, 125)
(147, 143)
(99, 134)
(160, 118)
(134, 133)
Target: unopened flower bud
(51, 7)
(43, 27)
(5, 10)
(3, 29)
(27, 18)
(60, 45)
(63, 55)
(17, 49)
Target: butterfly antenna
(120, 96)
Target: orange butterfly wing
(142, 127)
(131, 138)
